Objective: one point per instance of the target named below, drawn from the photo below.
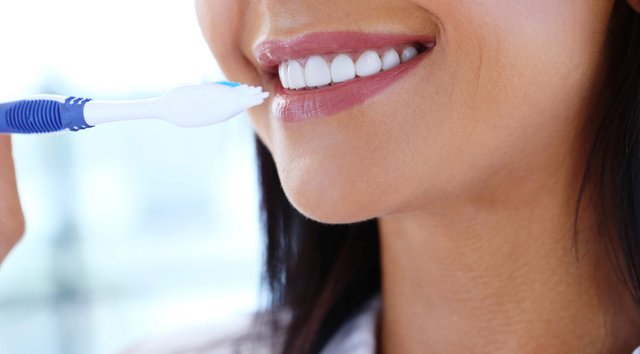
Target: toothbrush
(188, 106)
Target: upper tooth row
(317, 72)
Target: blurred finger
(11, 218)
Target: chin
(333, 202)
(333, 214)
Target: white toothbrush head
(201, 105)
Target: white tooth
(368, 64)
(390, 59)
(284, 75)
(342, 68)
(296, 75)
(316, 72)
(409, 53)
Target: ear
(635, 4)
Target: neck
(504, 276)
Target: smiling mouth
(321, 74)
(319, 71)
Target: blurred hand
(11, 218)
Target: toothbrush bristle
(253, 91)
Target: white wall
(133, 228)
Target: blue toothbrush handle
(33, 116)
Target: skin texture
(471, 165)
(485, 109)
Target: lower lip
(292, 106)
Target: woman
(481, 181)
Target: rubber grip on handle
(43, 116)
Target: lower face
(498, 90)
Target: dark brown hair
(323, 273)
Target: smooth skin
(471, 165)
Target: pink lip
(296, 106)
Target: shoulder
(255, 334)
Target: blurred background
(133, 229)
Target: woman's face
(499, 99)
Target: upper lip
(270, 53)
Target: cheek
(517, 69)
(212, 24)
(494, 45)
(223, 27)
(221, 22)
(505, 94)
(516, 82)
